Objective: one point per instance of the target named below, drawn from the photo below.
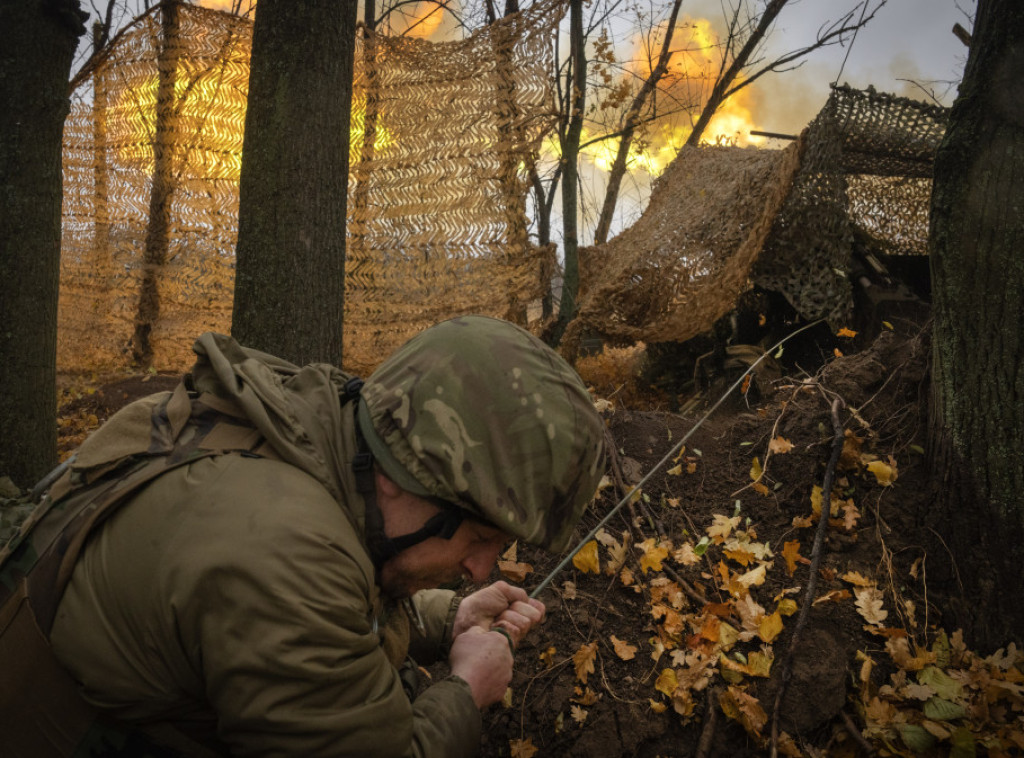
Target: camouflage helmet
(482, 414)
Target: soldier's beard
(403, 576)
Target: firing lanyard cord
(668, 456)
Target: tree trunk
(576, 94)
(161, 192)
(37, 45)
(977, 223)
(290, 276)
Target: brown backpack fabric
(36, 566)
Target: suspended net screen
(683, 264)
(865, 179)
(440, 137)
(722, 218)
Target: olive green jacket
(234, 598)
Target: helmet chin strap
(384, 548)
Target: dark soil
(619, 711)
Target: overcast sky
(907, 40)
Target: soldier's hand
(484, 660)
(500, 605)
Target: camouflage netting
(722, 218)
(683, 264)
(867, 174)
(437, 222)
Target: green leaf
(917, 449)
(941, 650)
(944, 685)
(702, 546)
(917, 738)
(744, 444)
(963, 744)
(938, 709)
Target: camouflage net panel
(683, 264)
(436, 203)
(866, 174)
(113, 146)
(438, 206)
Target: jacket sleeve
(437, 609)
(282, 628)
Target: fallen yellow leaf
(791, 553)
(667, 682)
(744, 708)
(770, 627)
(884, 472)
(522, 748)
(586, 559)
(653, 554)
(858, 579)
(624, 650)
(583, 660)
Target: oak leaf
(849, 458)
(653, 554)
(780, 445)
(869, 605)
(722, 527)
(685, 555)
(579, 715)
(744, 708)
(583, 660)
(586, 559)
(833, 596)
(623, 649)
(850, 515)
(791, 553)
(858, 579)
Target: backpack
(42, 714)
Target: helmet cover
(480, 413)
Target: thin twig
(856, 734)
(816, 553)
(707, 734)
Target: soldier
(242, 566)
